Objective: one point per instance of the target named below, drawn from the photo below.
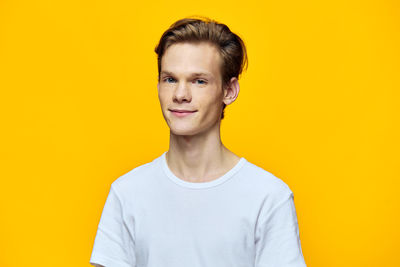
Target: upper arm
(277, 233)
(114, 244)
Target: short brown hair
(201, 29)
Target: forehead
(187, 58)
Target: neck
(201, 157)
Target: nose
(182, 93)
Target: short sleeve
(114, 243)
(277, 237)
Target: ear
(231, 91)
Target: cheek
(212, 103)
(162, 96)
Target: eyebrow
(196, 74)
(165, 73)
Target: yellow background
(318, 107)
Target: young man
(198, 204)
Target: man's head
(230, 46)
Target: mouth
(181, 112)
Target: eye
(200, 81)
(169, 80)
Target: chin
(178, 127)
(183, 131)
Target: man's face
(190, 80)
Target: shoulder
(263, 181)
(137, 178)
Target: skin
(190, 79)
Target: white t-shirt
(152, 218)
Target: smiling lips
(182, 112)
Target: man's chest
(195, 226)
